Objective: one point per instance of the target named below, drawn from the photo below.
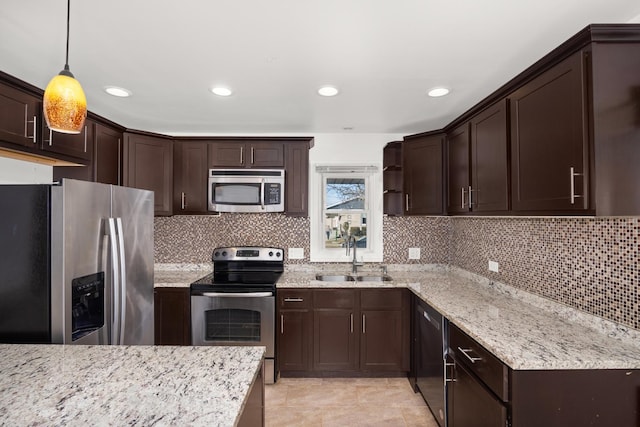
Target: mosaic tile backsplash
(591, 264)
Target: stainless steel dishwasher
(430, 353)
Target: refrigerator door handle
(123, 282)
(115, 274)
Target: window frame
(372, 174)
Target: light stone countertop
(179, 275)
(523, 330)
(71, 385)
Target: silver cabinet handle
(364, 324)
(406, 202)
(183, 198)
(281, 324)
(252, 162)
(351, 321)
(471, 359)
(573, 175)
(294, 299)
(470, 201)
(241, 155)
(26, 125)
(50, 137)
(85, 139)
(448, 380)
(462, 188)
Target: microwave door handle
(262, 193)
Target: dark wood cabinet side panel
(600, 397)
(616, 128)
(107, 158)
(172, 316)
(296, 177)
(253, 412)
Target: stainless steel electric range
(235, 305)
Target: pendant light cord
(66, 63)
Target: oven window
(232, 325)
(237, 194)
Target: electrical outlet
(296, 253)
(494, 266)
(414, 253)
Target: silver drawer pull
(294, 300)
(471, 359)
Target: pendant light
(64, 103)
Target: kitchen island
(127, 385)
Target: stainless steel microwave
(246, 190)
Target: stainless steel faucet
(355, 263)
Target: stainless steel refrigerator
(76, 264)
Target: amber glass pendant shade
(64, 103)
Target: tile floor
(324, 402)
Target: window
(348, 212)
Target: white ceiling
(382, 54)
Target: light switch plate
(414, 253)
(494, 266)
(296, 253)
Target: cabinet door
(149, 165)
(335, 331)
(265, 155)
(107, 158)
(459, 185)
(423, 179)
(78, 145)
(384, 340)
(549, 143)
(295, 330)
(489, 159)
(172, 316)
(473, 405)
(296, 179)
(227, 154)
(190, 177)
(18, 117)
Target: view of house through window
(345, 212)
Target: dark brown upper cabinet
(78, 145)
(549, 140)
(478, 163)
(107, 154)
(18, 117)
(148, 164)
(423, 178)
(296, 178)
(190, 177)
(392, 196)
(241, 154)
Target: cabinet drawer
(480, 361)
(334, 298)
(382, 299)
(294, 298)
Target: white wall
(20, 172)
(350, 147)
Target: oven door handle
(234, 294)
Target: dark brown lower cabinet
(172, 316)
(347, 332)
(295, 332)
(335, 336)
(253, 412)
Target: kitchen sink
(334, 278)
(378, 278)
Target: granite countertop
(72, 385)
(525, 331)
(179, 275)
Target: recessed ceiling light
(221, 91)
(117, 91)
(438, 91)
(328, 91)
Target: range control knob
(216, 254)
(270, 253)
(224, 253)
(278, 254)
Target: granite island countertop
(523, 330)
(72, 385)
